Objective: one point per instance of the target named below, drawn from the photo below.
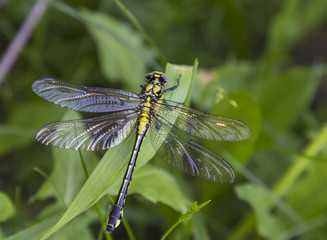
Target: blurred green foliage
(262, 62)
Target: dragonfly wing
(174, 146)
(97, 133)
(85, 99)
(202, 125)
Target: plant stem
(23, 34)
(139, 27)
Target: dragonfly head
(157, 77)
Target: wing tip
(248, 133)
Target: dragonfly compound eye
(163, 80)
(149, 77)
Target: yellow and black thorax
(152, 97)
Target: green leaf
(37, 230)
(158, 185)
(112, 166)
(7, 209)
(282, 97)
(123, 56)
(267, 224)
(76, 229)
(20, 130)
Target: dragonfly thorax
(152, 90)
(152, 96)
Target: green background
(261, 62)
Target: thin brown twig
(23, 34)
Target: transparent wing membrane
(202, 125)
(85, 99)
(175, 147)
(97, 133)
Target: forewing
(175, 147)
(97, 133)
(85, 99)
(202, 125)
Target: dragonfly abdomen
(117, 210)
(143, 124)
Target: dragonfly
(173, 128)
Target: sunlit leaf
(7, 209)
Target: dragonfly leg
(174, 87)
